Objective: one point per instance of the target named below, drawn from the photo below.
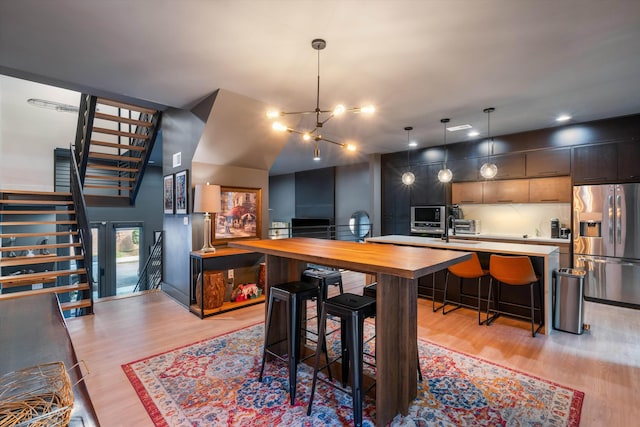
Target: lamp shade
(206, 198)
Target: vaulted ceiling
(416, 60)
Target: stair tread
(114, 118)
(38, 212)
(9, 223)
(37, 193)
(53, 233)
(118, 146)
(36, 247)
(91, 165)
(36, 259)
(83, 303)
(35, 202)
(54, 290)
(131, 135)
(108, 187)
(40, 276)
(114, 157)
(110, 178)
(124, 105)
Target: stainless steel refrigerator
(606, 242)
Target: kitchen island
(545, 259)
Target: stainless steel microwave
(427, 219)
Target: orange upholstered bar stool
(470, 269)
(515, 271)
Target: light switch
(185, 220)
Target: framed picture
(182, 192)
(168, 192)
(239, 215)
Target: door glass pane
(95, 267)
(127, 258)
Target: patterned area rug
(215, 383)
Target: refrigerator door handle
(610, 224)
(619, 219)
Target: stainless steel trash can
(568, 291)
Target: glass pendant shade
(488, 170)
(408, 178)
(445, 175)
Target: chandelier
(322, 116)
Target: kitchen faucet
(446, 227)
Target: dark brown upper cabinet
(594, 164)
(548, 163)
(427, 190)
(509, 165)
(629, 161)
(464, 169)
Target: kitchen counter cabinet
(466, 193)
(544, 258)
(427, 190)
(628, 165)
(546, 190)
(464, 169)
(510, 191)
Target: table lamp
(207, 200)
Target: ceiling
(417, 61)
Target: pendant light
(408, 177)
(489, 170)
(445, 174)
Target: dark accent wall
(315, 193)
(181, 133)
(351, 191)
(282, 205)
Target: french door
(116, 257)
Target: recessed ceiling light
(460, 127)
(563, 118)
(473, 133)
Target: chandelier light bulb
(339, 110)
(316, 154)
(272, 114)
(306, 136)
(278, 127)
(368, 109)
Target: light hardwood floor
(603, 363)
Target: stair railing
(84, 230)
(84, 127)
(155, 125)
(151, 274)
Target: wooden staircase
(41, 251)
(113, 144)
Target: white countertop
(469, 245)
(513, 237)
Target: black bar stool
(370, 291)
(322, 278)
(352, 310)
(295, 296)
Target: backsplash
(533, 219)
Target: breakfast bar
(549, 257)
(397, 270)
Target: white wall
(533, 219)
(29, 135)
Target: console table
(221, 260)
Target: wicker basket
(38, 396)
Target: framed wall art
(168, 193)
(182, 192)
(239, 215)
